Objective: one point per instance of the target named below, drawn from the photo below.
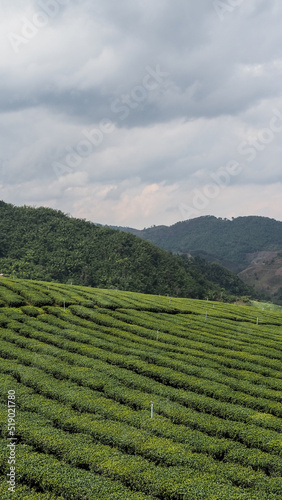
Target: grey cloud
(91, 61)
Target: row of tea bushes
(132, 470)
(250, 435)
(66, 399)
(45, 473)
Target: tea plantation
(116, 395)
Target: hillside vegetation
(121, 395)
(229, 242)
(45, 244)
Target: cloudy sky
(142, 112)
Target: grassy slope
(86, 365)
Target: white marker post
(152, 409)
(257, 320)
(206, 315)
(158, 335)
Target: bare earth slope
(264, 271)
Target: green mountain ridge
(227, 241)
(45, 244)
(245, 245)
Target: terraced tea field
(117, 396)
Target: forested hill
(231, 242)
(45, 244)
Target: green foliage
(223, 240)
(10, 298)
(85, 367)
(45, 244)
(226, 279)
(277, 297)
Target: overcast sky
(137, 113)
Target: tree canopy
(42, 243)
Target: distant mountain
(230, 242)
(236, 244)
(45, 244)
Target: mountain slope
(229, 242)
(245, 245)
(265, 274)
(41, 243)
